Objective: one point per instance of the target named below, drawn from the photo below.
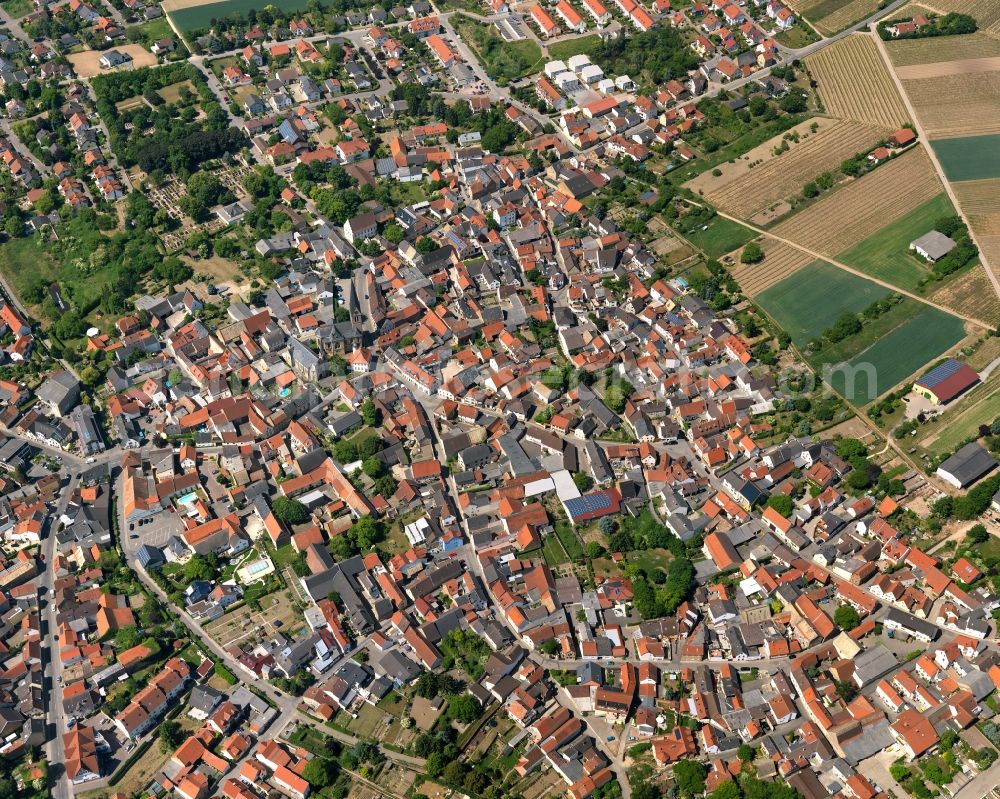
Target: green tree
(290, 511)
(549, 647)
(846, 617)
(369, 412)
(320, 772)
(746, 753)
(752, 254)
(782, 503)
(464, 708)
(373, 467)
(690, 776)
(171, 735)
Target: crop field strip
(910, 52)
(831, 16)
(958, 66)
(784, 175)
(986, 12)
(858, 210)
(970, 293)
(780, 261)
(969, 157)
(957, 105)
(978, 197)
(853, 82)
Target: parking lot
(154, 530)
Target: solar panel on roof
(940, 373)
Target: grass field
(853, 83)
(560, 51)
(969, 157)
(897, 355)
(720, 236)
(189, 16)
(809, 301)
(861, 208)
(503, 61)
(553, 552)
(886, 254)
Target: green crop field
(897, 355)
(886, 254)
(809, 301)
(720, 236)
(200, 16)
(969, 157)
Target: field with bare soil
(853, 82)
(88, 63)
(856, 211)
(957, 105)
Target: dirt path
(933, 157)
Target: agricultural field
(190, 15)
(965, 65)
(810, 300)
(932, 50)
(886, 255)
(978, 197)
(957, 105)
(831, 16)
(859, 209)
(720, 236)
(970, 157)
(780, 261)
(746, 192)
(853, 83)
(898, 355)
(970, 293)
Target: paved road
(55, 750)
(13, 25)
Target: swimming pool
(258, 566)
(285, 392)
(188, 499)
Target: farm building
(966, 466)
(946, 381)
(933, 245)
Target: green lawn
(809, 301)
(886, 254)
(552, 551)
(896, 356)
(824, 9)
(720, 236)
(503, 61)
(797, 36)
(969, 157)
(150, 32)
(564, 530)
(560, 51)
(18, 8)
